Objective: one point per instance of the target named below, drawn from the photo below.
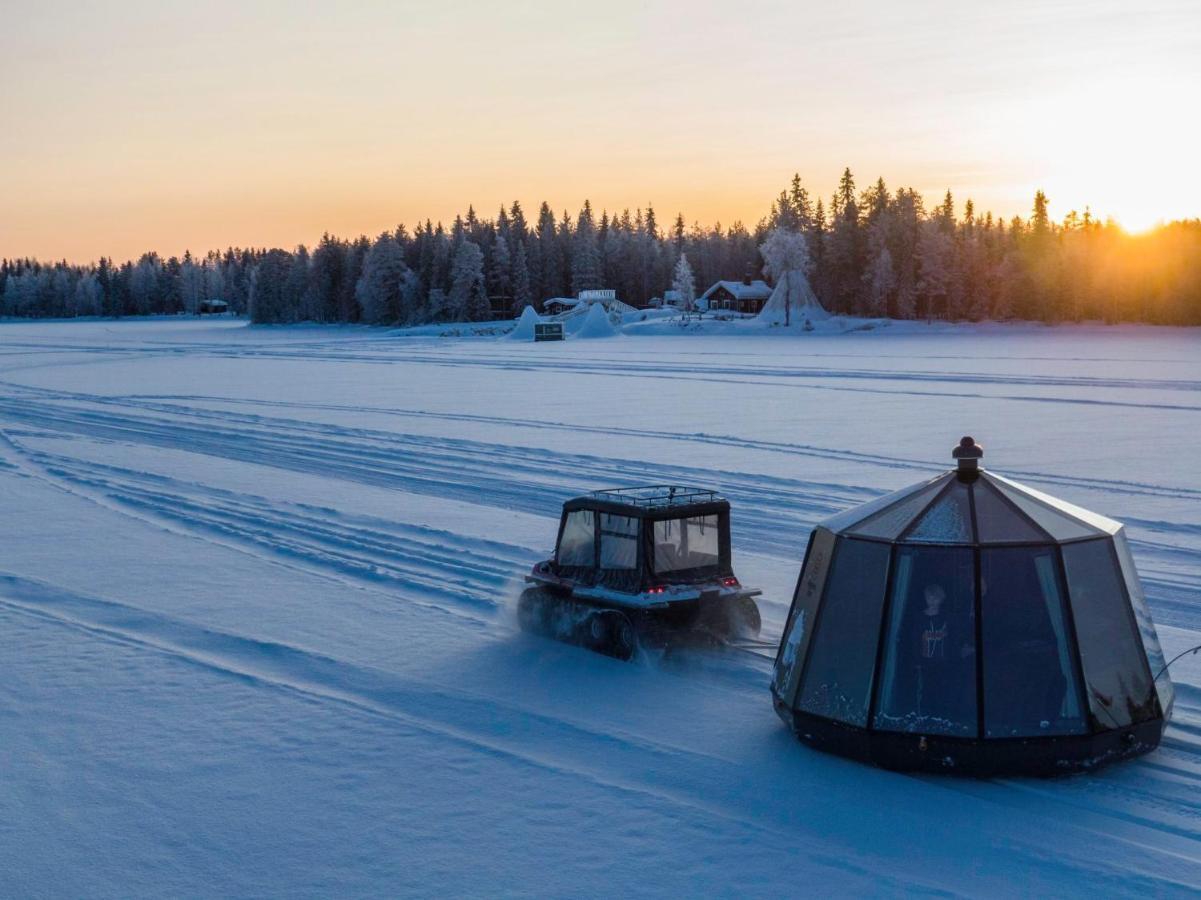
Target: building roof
(756, 290)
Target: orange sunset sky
(130, 126)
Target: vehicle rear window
(618, 542)
(692, 543)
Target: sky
(134, 126)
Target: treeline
(874, 252)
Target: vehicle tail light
(730, 582)
(657, 589)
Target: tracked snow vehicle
(641, 566)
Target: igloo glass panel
(1095, 522)
(1060, 526)
(1116, 676)
(838, 674)
(849, 519)
(1146, 627)
(928, 676)
(1030, 685)
(890, 522)
(947, 521)
(999, 522)
(795, 642)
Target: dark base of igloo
(1041, 757)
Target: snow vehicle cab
(640, 565)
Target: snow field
(256, 635)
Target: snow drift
(524, 331)
(595, 324)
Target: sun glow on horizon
(1116, 145)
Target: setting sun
(1123, 145)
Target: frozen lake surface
(256, 629)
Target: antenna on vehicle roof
(969, 454)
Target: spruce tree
(585, 259)
(380, 289)
(551, 279)
(523, 294)
(684, 284)
(468, 298)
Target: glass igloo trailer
(972, 624)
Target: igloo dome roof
(976, 507)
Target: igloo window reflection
(1116, 674)
(1030, 683)
(929, 676)
(838, 677)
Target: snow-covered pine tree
(296, 292)
(268, 283)
(379, 288)
(585, 257)
(329, 272)
(468, 299)
(86, 301)
(436, 306)
(500, 270)
(784, 251)
(523, 295)
(551, 271)
(802, 208)
(684, 284)
(934, 274)
(412, 309)
(879, 278)
(845, 254)
(191, 285)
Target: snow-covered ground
(256, 633)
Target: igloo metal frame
(1055, 525)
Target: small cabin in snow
(606, 297)
(746, 296)
(212, 307)
(556, 305)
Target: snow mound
(793, 291)
(525, 325)
(596, 324)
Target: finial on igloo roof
(968, 454)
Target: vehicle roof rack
(658, 496)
